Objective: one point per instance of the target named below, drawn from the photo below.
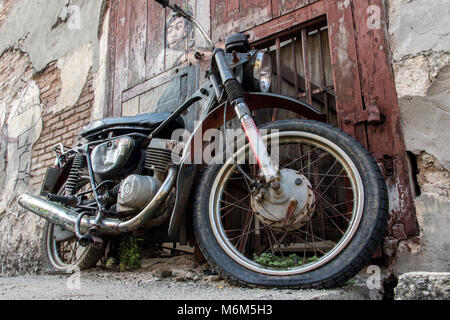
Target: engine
(140, 172)
(136, 191)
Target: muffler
(67, 218)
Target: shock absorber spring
(72, 181)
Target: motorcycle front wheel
(318, 233)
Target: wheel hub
(289, 205)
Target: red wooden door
(332, 53)
(366, 98)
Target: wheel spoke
(251, 231)
(326, 175)
(234, 205)
(298, 159)
(241, 242)
(331, 220)
(330, 206)
(312, 234)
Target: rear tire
(63, 257)
(363, 237)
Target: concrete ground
(176, 278)
(107, 286)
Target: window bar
(323, 81)
(294, 59)
(306, 66)
(279, 75)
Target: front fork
(235, 93)
(268, 169)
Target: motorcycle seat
(146, 120)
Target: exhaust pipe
(67, 218)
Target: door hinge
(371, 115)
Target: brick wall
(26, 92)
(61, 127)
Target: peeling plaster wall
(5, 5)
(21, 126)
(419, 33)
(38, 28)
(71, 32)
(74, 72)
(53, 62)
(101, 76)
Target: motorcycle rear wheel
(66, 256)
(340, 230)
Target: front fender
(259, 100)
(214, 120)
(255, 101)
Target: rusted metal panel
(345, 67)
(378, 89)
(138, 42)
(367, 102)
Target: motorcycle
(311, 218)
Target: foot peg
(68, 200)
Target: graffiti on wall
(180, 47)
(21, 126)
(180, 41)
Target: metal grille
(302, 68)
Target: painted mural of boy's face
(177, 32)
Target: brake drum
(288, 207)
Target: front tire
(248, 249)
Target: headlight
(262, 70)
